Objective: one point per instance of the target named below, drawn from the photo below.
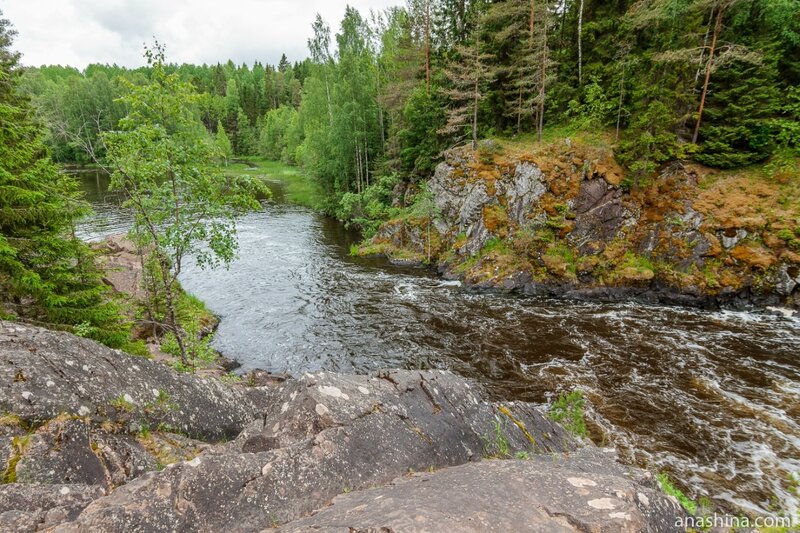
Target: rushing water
(712, 398)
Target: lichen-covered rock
(9, 431)
(531, 221)
(123, 458)
(122, 266)
(311, 439)
(545, 494)
(28, 507)
(60, 452)
(525, 189)
(325, 434)
(48, 373)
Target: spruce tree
(47, 275)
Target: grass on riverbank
(298, 187)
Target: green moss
(197, 322)
(18, 447)
(231, 378)
(10, 419)
(565, 254)
(367, 248)
(637, 262)
(180, 367)
(494, 245)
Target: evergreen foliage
(47, 275)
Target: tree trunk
(621, 99)
(475, 117)
(580, 45)
(172, 318)
(476, 89)
(709, 65)
(703, 49)
(366, 160)
(461, 9)
(540, 125)
(530, 23)
(428, 46)
(328, 95)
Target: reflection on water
(713, 398)
(107, 218)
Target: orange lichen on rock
(495, 219)
(754, 256)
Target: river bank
(102, 440)
(563, 219)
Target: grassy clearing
(298, 188)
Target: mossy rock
(754, 256)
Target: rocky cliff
(98, 440)
(564, 219)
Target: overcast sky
(80, 32)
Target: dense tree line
(77, 106)
(378, 100)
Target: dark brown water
(713, 398)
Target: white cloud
(80, 32)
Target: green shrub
(567, 410)
(668, 488)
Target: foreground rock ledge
(581, 492)
(321, 438)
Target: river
(710, 397)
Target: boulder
(123, 266)
(299, 445)
(563, 493)
(48, 373)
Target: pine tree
(468, 75)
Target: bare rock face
(523, 191)
(60, 452)
(461, 201)
(600, 214)
(563, 493)
(36, 507)
(124, 272)
(48, 373)
(324, 435)
(560, 220)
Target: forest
(380, 98)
